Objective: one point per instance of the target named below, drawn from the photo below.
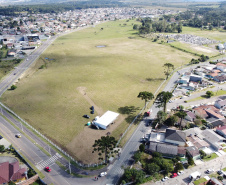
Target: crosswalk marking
(42, 164)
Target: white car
(209, 171)
(180, 172)
(165, 178)
(102, 174)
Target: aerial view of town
(112, 92)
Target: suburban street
(59, 176)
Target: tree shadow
(154, 79)
(128, 110)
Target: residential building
(220, 104)
(176, 137)
(222, 131)
(193, 152)
(163, 148)
(11, 172)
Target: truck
(195, 175)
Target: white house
(221, 67)
(220, 104)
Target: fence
(49, 141)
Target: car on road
(14, 74)
(18, 135)
(1, 137)
(102, 174)
(174, 175)
(209, 171)
(220, 172)
(164, 179)
(47, 169)
(86, 116)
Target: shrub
(142, 148)
(220, 177)
(13, 87)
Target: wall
(29, 181)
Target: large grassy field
(55, 98)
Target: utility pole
(69, 166)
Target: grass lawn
(224, 150)
(201, 180)
(219, 93)
(214, 34)
(224, 169)
(195, 49)
(223, 145)
(55, 98)
(213, 156)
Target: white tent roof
(107, 118)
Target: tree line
(57, 7)
(148, 26)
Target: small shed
(105, 120)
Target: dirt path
(82, 90)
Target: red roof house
(11, 172)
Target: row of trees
(160, 26)
(57, 7)
(202, 58)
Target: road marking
(47, 162)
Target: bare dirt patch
(81, 145)
(82, 90)
(202, 48)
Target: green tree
(152, 168)
(142, 148)
(13, 87)
(162, 99)
(169, 67)
(181, 114)
(2, 148)
(190, 161)
(137, 156)
(133, 175)
(167, 167)
(170, 121)
(146, 96)
(161, 117)
(179, 28)
(105, 146)
(178, 167)
(202, 154)
(135, 26)
(11, 183)
(209, 93)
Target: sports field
(54, 99)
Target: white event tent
(108, 118)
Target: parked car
(1, 137)
(47, 169)
(102, 174)
(220, 172)
(86, 116)
(92, 107)
(209, 171)
(165, 178)
(18, 135)
(92, 111)
(174, 175)
(180, 172)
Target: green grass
(223, 145)
(224, 169)
(49, 99)
(216, 93)
(196, 50)
(224, 150)
(213, 156)
(214, 34)
(201, 180)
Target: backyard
(74, 74)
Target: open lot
(54, 99)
